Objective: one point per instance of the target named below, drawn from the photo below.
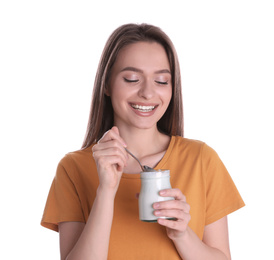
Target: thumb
(116, 130)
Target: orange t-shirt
(195, 169)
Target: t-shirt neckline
(160, 165)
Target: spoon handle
(135, 159)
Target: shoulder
(77, 163)
(182, 143)
(76, 157)
(192, 147)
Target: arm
(215, 244)
(91, 240)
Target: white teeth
(143, 108)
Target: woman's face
(140, 85)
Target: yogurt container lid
(155, 174)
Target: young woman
(137, 104)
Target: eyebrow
(140, 71)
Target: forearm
(94, 240)
(190, 247)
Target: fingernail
(157, 213)
(156, 205)
(162, 192)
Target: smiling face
(140, 85)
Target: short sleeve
(222, 196)
(63, 203)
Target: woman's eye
(161, 82)
(131, 80)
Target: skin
(141, 79)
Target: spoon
(143, 167)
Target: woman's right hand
(111, 157)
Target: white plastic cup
(151, 184)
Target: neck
(142, 142)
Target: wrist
(105, 192)
(183, 238)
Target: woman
(137, 104)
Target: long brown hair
(101, 112)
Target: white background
(49, 51)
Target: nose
(146, 90)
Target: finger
(173, 213)
(112, 150)
(116, 130)
(105, 151)
(111, 147)
(112, 134)
(172, 204)
(113, 143)
(175, 225)
(107, 162)
(176, 193)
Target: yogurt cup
(151, 184)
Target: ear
(106, 91)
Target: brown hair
(101, 112)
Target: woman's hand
(177, 208)
(111, 158)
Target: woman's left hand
(177, 208)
